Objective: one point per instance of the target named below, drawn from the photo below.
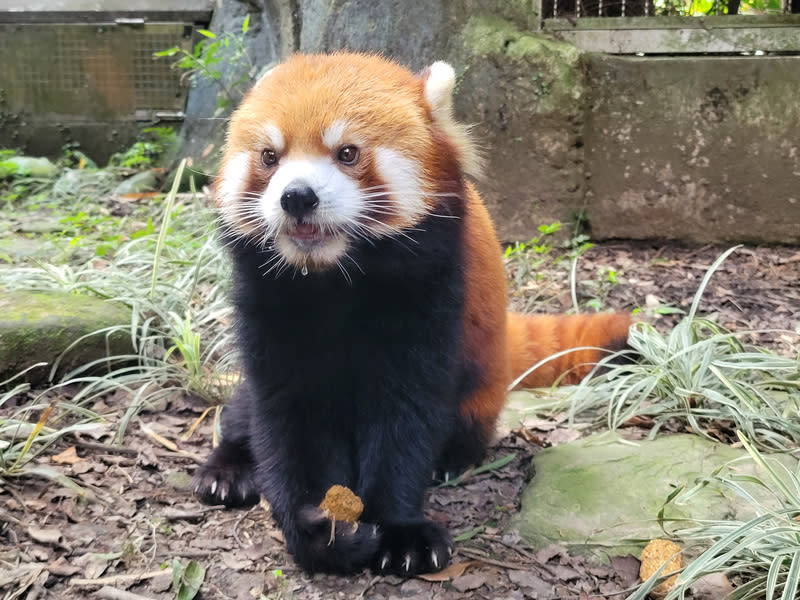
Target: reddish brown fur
(504, 344)
(303, 99)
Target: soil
(137, 516)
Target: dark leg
(297, 462)
(227, 476)
(396, 466)
(465, 447)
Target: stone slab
(39, 326)
(600, 496)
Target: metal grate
(89, 71)
(570, 9)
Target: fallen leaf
(67, 457)
(466, 583)
(237, 564)
(82, 467)
(562, 436)
(715, 586)
(451, 572)
(44, 536)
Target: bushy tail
(532, 338)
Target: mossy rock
(27, 166)
(50, 327)
(601, 496)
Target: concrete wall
(699, 149)
(694, 148)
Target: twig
(110, 593)
(115, 579)
(514, 547)
(236, 528)
(369, 585)
(496, 563)
(79, 441)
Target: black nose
(299, 200)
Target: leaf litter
(141, 520)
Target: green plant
(206, 60)
(155, 142)
(187, 580)
(533, 267)
(701, 375)
(175, 283)
(704, 8)
(764, 552)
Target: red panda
(371, 302)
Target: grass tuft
(763, 552)
(700, 375)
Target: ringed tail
(533, 338)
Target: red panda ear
(439, 80)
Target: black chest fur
(335, 363)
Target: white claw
(384, 561)
(374, 531)
(407, 563)
(446, 476)
(223, 491)
(450, 551)
(435, 559)
(213, 487)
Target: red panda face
(328, 151)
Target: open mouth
(307, 234)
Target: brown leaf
(465, 583)
(67, 457)
(451, 572)
(44, 536)
(562, 436)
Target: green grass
(30, 429)
(700, 375)
(175, 278)
(763, 553)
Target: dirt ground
(139, 515)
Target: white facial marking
(402, 176)
(274, 138)
(339, 196)
(232, 185)
(334, 133)
(340, 204)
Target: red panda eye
(269, 158)
(348, 155)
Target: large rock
(600, 496)
(39, 326)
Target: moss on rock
(40, 326)
(555, 69)
(600, 496)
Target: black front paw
(226, 478)
(321, 545)
(411, 548)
